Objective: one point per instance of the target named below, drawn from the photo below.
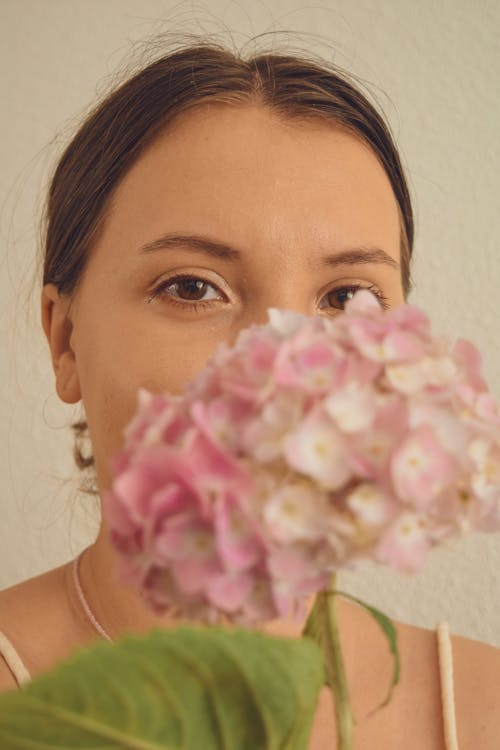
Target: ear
(58, 329)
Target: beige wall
(433, 66)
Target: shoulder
(15, 617)
(20, 602)
(476, 682)
(33, 615)
(476, 679)
(473, 658)
(414, 718)
(7, 681)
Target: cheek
(117, 357)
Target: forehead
(257, 180)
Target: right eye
(194, 288)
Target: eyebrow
(196, 243)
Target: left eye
(195, 289)
(350, 291)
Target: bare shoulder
(414, 717)
(476, 682)
(7, 681)
(476, 679)
(15, 618)
(476, 685)
(19, 602)
(32, 613)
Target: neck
(118, 608)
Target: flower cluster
(309, 445)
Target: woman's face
(282, 198)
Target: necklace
(83, 600)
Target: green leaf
(184, 689)
(390, 633)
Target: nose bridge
(288, 286)
(283, 290)
(282, 285)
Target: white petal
(353, 407)
(406, 378)
(369, 504)
(285, 322)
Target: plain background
(433, 68)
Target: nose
(282, 297)
(262, 317)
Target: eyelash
(160, 291)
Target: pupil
(343, 295)
(194, 287)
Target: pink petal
(228, 591)
(421, 468)
(237, 541)
(193, 576)
(404, 545)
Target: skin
(285, 195)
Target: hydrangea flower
(308, 446)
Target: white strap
(13, 661)
(447, 695)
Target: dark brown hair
(120, 128)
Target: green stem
(323, 626)
(335, 671)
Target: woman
(201, 192)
